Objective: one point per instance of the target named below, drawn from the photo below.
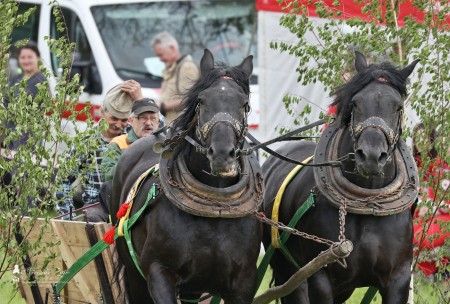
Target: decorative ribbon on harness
(123, 229)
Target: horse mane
(190, 98)
(384, 72)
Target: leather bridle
(392, 136)
(202, 131)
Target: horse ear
(405, 72)
(360, 62)
(247, 66)
(207, 62)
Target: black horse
(375, 183)
(195, 236)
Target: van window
(227, 28)
(30, 29)
(84, 62)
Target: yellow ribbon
(276, 204)
(131, 195)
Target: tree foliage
(37, 166)
(381, 36)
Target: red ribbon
(108, 237)
(123, 210)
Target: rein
(288, 136)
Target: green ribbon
(262, 268)
(101, 245)
(369, 295)
(81, 263)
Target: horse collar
(392, 199)
(192, 196)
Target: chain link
(371, 199)
(342, 215)
(262, 218)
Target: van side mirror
(89, 75)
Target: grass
(9, 292)
(426, 291)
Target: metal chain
(342, 214)
(262, 218)
(370, 199)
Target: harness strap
(369, 295)
(129, 223)
(332, 163)
(132, 194)
(276, 205)
(283, 238)
(102, 245)
(282, 137)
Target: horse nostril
(232, 153)
(360, 156)
(383, 158)
(210, 151)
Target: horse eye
(400, 108)
(247, 107)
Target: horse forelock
(190, 98)
(385, 73)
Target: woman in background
(28, 57)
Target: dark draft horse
(368, 117)
(182, 254)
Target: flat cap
(118, 103)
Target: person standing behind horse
(178, 76)
(115, 112)
(144, 120)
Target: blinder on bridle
(392, 136)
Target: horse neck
(349, 168)
(198, 165)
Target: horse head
(373, 102)
(221, 106)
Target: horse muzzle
(372, 152)
(223, 160)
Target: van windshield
(227, 28)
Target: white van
(113, 39)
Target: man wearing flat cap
(144, 120)
(115, 113)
